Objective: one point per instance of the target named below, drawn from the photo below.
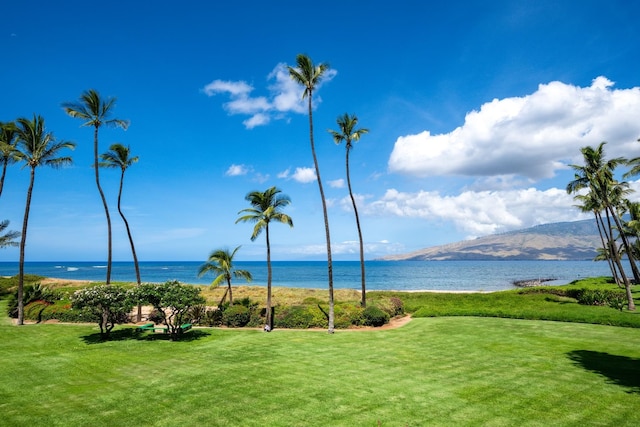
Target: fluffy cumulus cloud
(285, 96)
(304, 175)
(480, 213)
(531, 136)
(237, 170)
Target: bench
(145, 327)
(152, 327)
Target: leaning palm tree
(220, 263)
(7, 148)
(348, 133)
(6, 239)
(119, 157)
(597, 177)
(95, 111)
(266, 208)
(36, 147)
(309, 75)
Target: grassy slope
(433, 371)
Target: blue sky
(474, 111)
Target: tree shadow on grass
(132, 334)
(620, 370)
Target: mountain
(563, 241)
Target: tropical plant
(96, 111)
(119, 157)
(6, 239)
(605, 194)
(8, 155)
(107, 305)
(349, 134)
(172, 300)
(220, 263)
(309, 75)
(36, 147)
(266, 208)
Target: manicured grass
(531, 303)
(433, 371)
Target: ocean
(380, 275)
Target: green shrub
(33, 310)
(63, 312)
(33, 292)
(374, 316)
(236, 316)
(601, 297)
(197, 314)
(393, 306)
(212, 317)
(347, 315)
(299, 316)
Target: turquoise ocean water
(381, 275)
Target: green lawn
(433, 371)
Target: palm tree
(348, 134)
(266, 208)
(36, 147)
(6, 239)
(597, 176)
(309, 75)
(220, 263)
(7, 148)
(95, 112)
(118, 156)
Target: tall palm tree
(6, 239)
(348, 133)
(36, 147)
(220, 263)
(96, 111)
(597, 176)
(309, 75)
(266, 208)
(7, 148)
(119, 157)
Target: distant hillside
(565, 241)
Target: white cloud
(237, 170)
(304, 175)
(531, 136)
(285, 96)
(284, 174)
(233, 88)
(337, 183)
(480, 213)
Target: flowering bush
(107, 305)
(172, 300)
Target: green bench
(152, 327)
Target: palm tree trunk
(229, 291)
(23, 242)
(269, 320)
(133, 248)
(616, 258)
(326, 220)
(4, 173)
(363, 301)
(627, 247)
(104, 202)
(605, 246)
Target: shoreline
(61, 281)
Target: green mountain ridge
(561, 241)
